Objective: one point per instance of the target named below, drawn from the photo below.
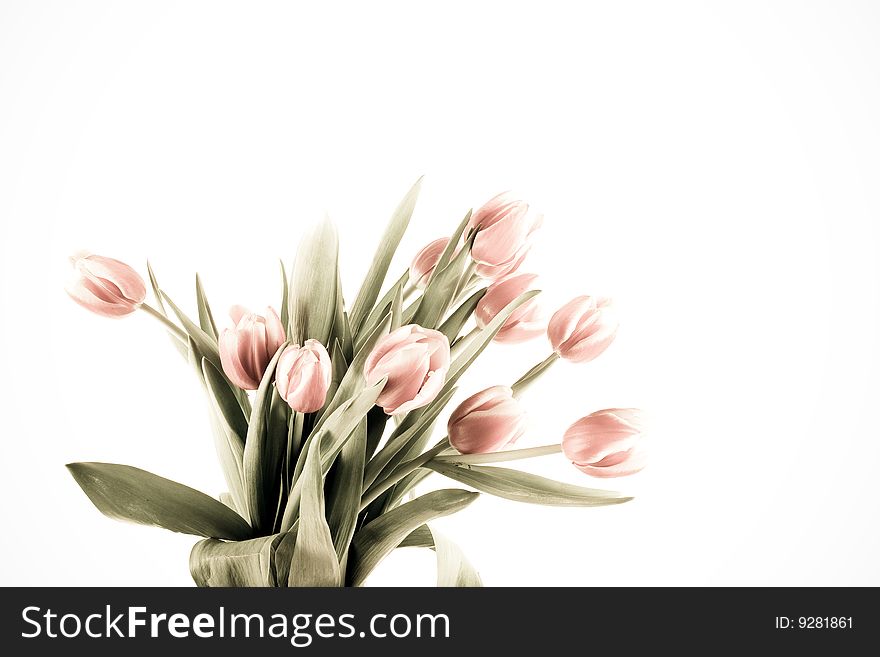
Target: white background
(714, 167)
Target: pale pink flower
(524, 323)
(506, 226)
(423, 264)
(246, 349)
(105, 286)
(486, 422)
(303, 376)
(583, 328)
(415, 360)
(607, 443)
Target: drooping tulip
(415, 360)
(486, 422)
(303, 376)
(506, 226)
(607, 443)
(583, 328)
(524, 323)
(105, 286)
(246, 349)
(423, 264)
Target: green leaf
(313, 300)
(178, 344)
(205, 343)
(206, 319)
(399, 441)
(341, 327)
(388, 244)
(314, 561)
(347, 479)
(339, 426)
(379, 537)
(453, 568)
(241, 563)
(525, 487)
(397, 309)
(262, 455)
(454, 240)
(353, 380)
(127, 493)
(405, 485)
(380, 310)
(456, 321)
(442, 287)
(285, 297)
(284, 555)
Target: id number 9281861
(814, 622)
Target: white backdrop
(714, 167)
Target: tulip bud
(303, 376)
(583, 328)
(524, 323)
(415, 360)
(506, 226)
(423, 264)
(607, 443)
(245, 351)
(486, 422)
(105, 286)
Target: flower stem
(171, 326)
(500, 457)
(401, 472)
(533, 374)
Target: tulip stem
(401, 472)
(171, 326)
(533, 374)
(500, 457)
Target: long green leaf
(379, 537)
(206, 318)
(313, 299)
(453, 568)
(344, 483)
(380, 310)
(285, 297)
(314, 561)
(353, 380)
(400, 441)
(441, 289)
(154, 283)
(205, 343)
(452, 326)
(127, 493)
(388, 244)
(526, 487)
(241, 563)
(262, 455)
(338, 428)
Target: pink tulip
(303, 376)
(105, 286)
(506, 226)
(415, 360)
(486, 422)
(583, 328)
(607, 443)
(524, 323)
(423, 264)
(245, 351)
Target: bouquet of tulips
(323, 414)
